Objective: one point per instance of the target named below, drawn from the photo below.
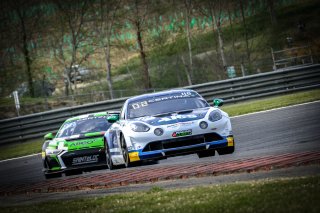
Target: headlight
(139, 127)
(52, 151)
(215, 116)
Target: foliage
(62, 41)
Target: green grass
(20, 149)
(31, 147)
(282, 195)
(271, 103)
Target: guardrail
(232, 90)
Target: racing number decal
(138, 105)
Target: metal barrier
(232, 90)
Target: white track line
(17, 158)
(270, 110)
(253, 113)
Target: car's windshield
(165, 104)
(82, 126)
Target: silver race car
(158, 125)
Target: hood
(78, 142)
(172, 118)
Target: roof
(95, 114)
(156, 94)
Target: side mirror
(217, 102)
(113, 118)
(49, 136)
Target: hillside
(167, 53)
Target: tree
(272, 12)
(108, 11)
(71, 41)
(188, 68)
(241, 4)
(25, 17)
(213, 9)
(137, 11)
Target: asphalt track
(275, 134)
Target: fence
(232, 90)
(292, 57)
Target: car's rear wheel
(73, 172)
(125, 153)
(53, 175)
(226, 150)
(206, 153)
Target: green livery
(78, 145)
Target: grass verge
(20, 149)
(31, 147)
(272, 102)
(281, 195)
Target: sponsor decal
(175, 117)
(182, 133)
(176, 125)
(85, 159)
(173, 126)
(145, 103)
(186, 123)
(81, 143)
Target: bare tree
(73, 23)
(188, 68)
(28, 15)
(272, 12)
(137, 12)
(105, 22)
(241, 4)
(214, 9)
(229, 7)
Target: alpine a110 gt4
(158, 125)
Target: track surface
(277, 138)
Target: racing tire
(206, 153)
(108, 159)
(73, 172)
(125, 153)
(53, 175)
(226, 150)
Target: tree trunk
(216, 25)
(28, 66)
(233, 37)
(27, 58)
(245, 30)
(272, 12)
(190, 67)
(146, 77)
(186, 70)
(108, 66)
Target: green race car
(78, 145)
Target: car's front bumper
(185, 145)
(80, 159)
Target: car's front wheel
(52, 175)
(125, 152)
(108, 158)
